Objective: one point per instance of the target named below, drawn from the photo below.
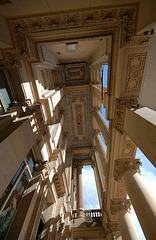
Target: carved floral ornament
(121, 166)
(20, 28)
(119, 205)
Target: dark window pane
(12, 204)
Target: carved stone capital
(120, 106)
(119, 205)
(112, 226)
(93, 150)
(96, 109)
(93, 164)
(121, 166)
(69, 150)
(78, 164)
(96, 132)
(65, 134)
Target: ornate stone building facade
(51, 60)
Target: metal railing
(94, 213)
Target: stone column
(143, 202)
(80, 209)
(121, 209)
(113, 231)
(99, 166)
(102, 152)
(55, 131)
(96, 91)
(98, 183)
(74, 187)
(140, 126)
(102, 125)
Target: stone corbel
(119, 205)
(113, 226)
(120, 106)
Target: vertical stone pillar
(73, 188)
(102, 152)
(121, 209)
(99, 166)
(143, 202)
(140, 126)
(80, 209)
(98, 183)
(102, 125)
(113, 231)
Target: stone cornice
(121, 166)
(108, 17)
(119, 205)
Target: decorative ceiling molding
(123, 17)
(75, 74)
(78, 109)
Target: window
(5, 90)
(13, 194)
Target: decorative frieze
(119, 205)
(124, 16)
(122, 165)
(120, 106)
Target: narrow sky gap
(90, 196)
(105, 72)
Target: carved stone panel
(120, 191)
(135, 68)
(128, 149)
(120, 106)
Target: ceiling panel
(78, 110)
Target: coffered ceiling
(86, 49)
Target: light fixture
(71, 47)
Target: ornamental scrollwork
(121, 166)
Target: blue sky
(148, 174)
